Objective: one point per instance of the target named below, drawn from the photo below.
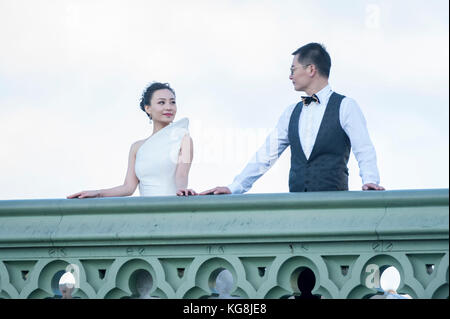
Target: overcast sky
(72, 73)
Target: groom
(321, 130)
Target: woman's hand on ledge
(85, 194)
(186, 192)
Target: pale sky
(72, 73)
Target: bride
(159, 164)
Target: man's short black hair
(315, 53)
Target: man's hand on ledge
(372, 186)
(217, 191)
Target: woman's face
(162, 106)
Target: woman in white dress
(159, 164)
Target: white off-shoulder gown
(156, 160)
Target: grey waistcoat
(326, 169)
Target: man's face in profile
(299, 75)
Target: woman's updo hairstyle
(148, 93)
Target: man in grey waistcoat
(321, 130)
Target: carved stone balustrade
(177, 247)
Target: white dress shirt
(352, 121)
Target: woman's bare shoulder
(187, 138)
(136, 145)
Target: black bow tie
(308, 99)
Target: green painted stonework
(176, 247)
